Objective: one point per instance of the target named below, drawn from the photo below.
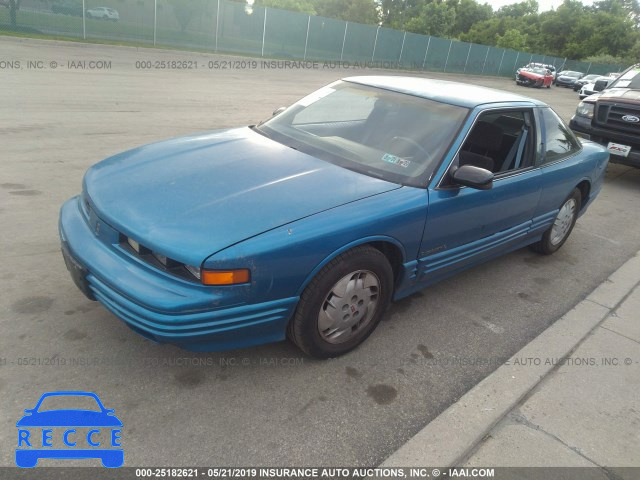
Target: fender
(349, 246)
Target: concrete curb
(452, 436)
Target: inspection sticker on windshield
(387, 157)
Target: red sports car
(534, 77)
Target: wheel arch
(390, 247)
(585, 190)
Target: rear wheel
(343, 304)
(562, 226)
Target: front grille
(146, 255)
(611, 115)
(523, 79)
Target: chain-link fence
(234, 27)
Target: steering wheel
(413, 143)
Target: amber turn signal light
(225, 277)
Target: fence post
(375, 42)
(516, 62)
(306, 40)
(84, 21)
(501, 60)
(155, 20)
(467, 62)
(217, 24)
(344, 39)
(448, 53)
(424, 60)
(485, 61)
(589, 68)
(402, 48)
(531, 58)
(264, 29)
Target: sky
(544, 4)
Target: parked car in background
(611, 117)
(68, 7)
(308, 224)
(104, 13)
(551, 68)
(534, 77)
(568, 78)
(578, 84)
(598, 85)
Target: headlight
(195, 271)
(585, 110)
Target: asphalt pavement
(268, 405)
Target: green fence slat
(237, 27)
(413, 52)
(388, 46)
(325, 38)
(177, 25)
(286, 34)
(359, 42)
(437, 54)
(240, 28)
(135, 22)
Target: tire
(562, 226)
(343, 303)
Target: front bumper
(582, 127)
(564, 83)
(158, 306)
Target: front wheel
(562, 226)
(343, 304)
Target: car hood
(69, 418)
(190, 197)
(526, 73)
(625, 95)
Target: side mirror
(600, 85)
(474, 177)
(278, 111)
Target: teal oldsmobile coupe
(308, 224)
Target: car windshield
(69, 402)
(590, 78)
(539, 71)
(631, 79)
(377, 132)
(573, 74)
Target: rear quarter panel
(560, 178)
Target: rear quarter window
(560, 142)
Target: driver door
(466, 225)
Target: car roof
(453, 93)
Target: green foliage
(361, 11)
(607, 29)
(433, 19)
(304, 6)
(512, 39)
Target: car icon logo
(69, 433)
(631, 119)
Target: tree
(512, 39)
(360, 11)
(468, 13)
(304, 6)
(528, 7)
(435, 19)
